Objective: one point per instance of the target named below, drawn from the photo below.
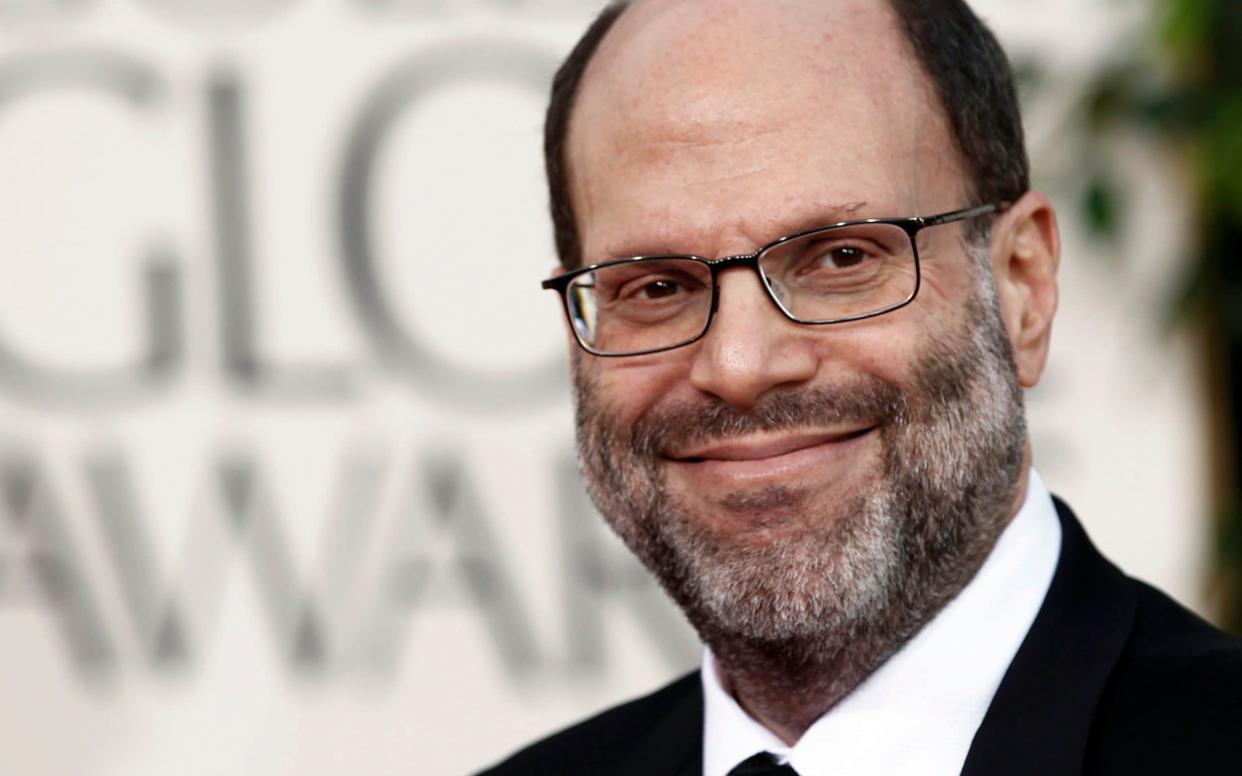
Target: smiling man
(806, 283)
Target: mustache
(866, 400)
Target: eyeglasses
(831, 274)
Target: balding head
(682, 64)
(705, 116)
(688, 64)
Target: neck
(786, 686)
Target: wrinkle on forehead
(660, 237)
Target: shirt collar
(919, 711)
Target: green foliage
(1184, 86)
(1187, 24)
(1100, 204)
(1228, 559)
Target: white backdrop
(286, 474)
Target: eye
(654, 288)
(842, 257)
(659, 289)
(652, 284)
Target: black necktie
(762, 764)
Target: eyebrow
(814, 218)
(822, 216)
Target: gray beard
(854, 579)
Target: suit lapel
(674, 747)
(1040, 718)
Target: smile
(767, 456)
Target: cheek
(943, 289)
(938, 310)
(877, 350)
(629, 387)
(891, 346)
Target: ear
(1026, 251)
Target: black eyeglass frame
(911, 225)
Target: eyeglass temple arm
(560, 281)
(970, 212)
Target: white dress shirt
(918, 713)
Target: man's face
(781, 477)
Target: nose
(750, 348)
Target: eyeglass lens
(824, 276)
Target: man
(816, 442)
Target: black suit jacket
(1113, 678)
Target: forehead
(748, 116)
